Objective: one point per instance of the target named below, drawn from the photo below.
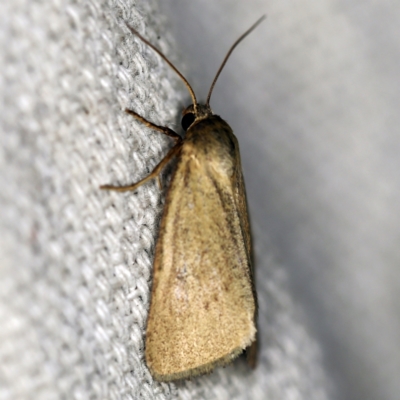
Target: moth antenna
(229, 53)
(192, 95)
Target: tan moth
(203, 304)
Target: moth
(203, 306)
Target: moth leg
(165, 130)
(156, 171)
(159, 182)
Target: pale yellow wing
(203, 306)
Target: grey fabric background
(313, 97)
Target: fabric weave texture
(76, 261)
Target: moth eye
(187, 120)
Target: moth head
(192, 114)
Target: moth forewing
(202, 306)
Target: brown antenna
(192, 95)
(229, 53)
